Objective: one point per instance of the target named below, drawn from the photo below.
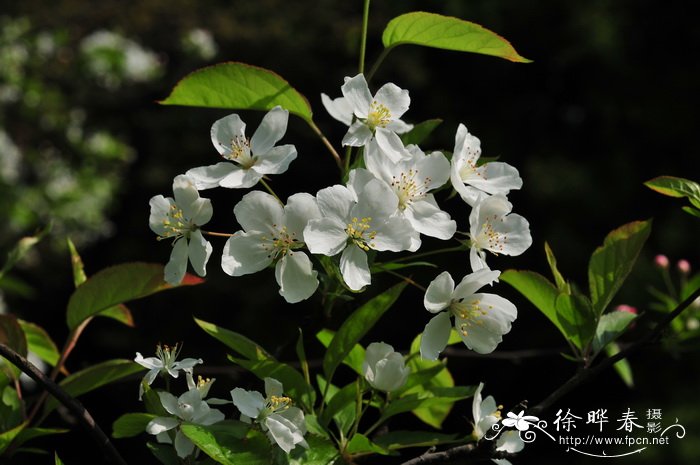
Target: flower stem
(416, 256)
(377, 63)
(269, 189)
(363, 38)
(212, 233)
(328, 145)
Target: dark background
(609, 102)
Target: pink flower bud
(626, 308)
(683, 266)
(661, 261)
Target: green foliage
(226, 446)
(678, 187)
(238, 86)
(20, 249)
(420, 132)
(40, 343)
(131, 424)
(7, 437)
(445, 32)
(11, 334)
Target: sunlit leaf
(675, 187)
(561, 283)
(131, 424)
(238, 86)
(235, 341)
(353, 359)
(40, 343)
(226, 447)
(446, 32)
(610, 326)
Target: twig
(73, 405)
(481, 450)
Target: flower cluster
(386, 205)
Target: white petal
(377, 201)
(399, 127)
(467, 146)
(326, 236)
(160, 207)
(150, 362)
(240, 178)
(390, 145)
(477, 260)
(517, 230)
(353, 266)
(356, 91)
(177, 266)
(276, 160)
(207, 177)
(496, 178)
(246, 253)
(438, 296)
(339, 108)
(270, 131)
(394, 234)
(335, 202)
(161, 424)
(433, 170)
(208, 416)
(435, 336)
(169, 403)
(476, 404)
(300, 209)
(296, 416)
(375, 352)
(259, 211)
(428, 219)
(226, 129)
(296, 277)
(394, 98)
(473, 282)
(185, 194)
(358, 179)
(358, 135)
(183, 445)
(510, 441)
(273, 387)
(483, 334)
(249, 403)
(199, 251)
(283, 432)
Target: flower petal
(160, 207)
(169, 403)
(276, 160)
(161, 424)
(435, 336)
(438, 296)
(226, 129)
(207, 177)
(199, 251)
(354, 267)
(356, 92)
(183, 445)
(510, 442)
(394, 98)
(245, 253)
(240, 178)
(270, 131)
(390, 145)
(249, 403)
(300, 209)
(472, 282)
(376, 200)
(273, 387)
(427, 218)
(149, 362)
(177, 265)
(259, 211)
(335, 202)
(283, 432)
(358, 135)
(339, 108)
(296, 277)
(393, 234)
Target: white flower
(521, 422)
(354, 223)
(248, 159)
(180, 219)
(383, 368)
(470, 180)
(492, 227)
(284, 424)
(165, 362)
(376, 117)
(273, 232)
(480, 319)
(190, 408)
(486, 414)
(411, 180)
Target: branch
(587, 374)
(73, 405)
(482, 450)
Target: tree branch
(73, 405)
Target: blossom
(165, 363)
(480, 319)
(283, 423)
(248, 160)
(493, 227)
(180, 219)
(486, 414)
(273, 232)
(383, 368)
(378, 117)
(190, 408)
(354, 223)
(469, 180)
(412, 179)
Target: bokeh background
(609, 102)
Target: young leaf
(445, 32)
(21, 248)
(623, 368)
(612, 262)
(228, 449)
(576, 318)
(115, 285)
(356, 326)
(675, 187)
(561, 283)
(39, 342)
(238, 86)
(610, 326)
(538, 290)
(420, 132)
(94, 377)
(131, 424)
(56, 459)
(7, 437)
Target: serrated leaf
(116, 285)
(235, 341)
(448, 33)
(420, 132)
(40, 343)
(356, 326)
(131, 424)
(612, 262)
(610, 326)
(91, 378)
(238, 86)
(228, 449)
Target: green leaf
(7, 437)
(353, 359)
(623, 368)
(380, 267)
(131, 424)
(21, 248)
(427, 398)
(28, 434)
(610, 326)
(11, 334)
(538, 290)
(356, 326)
(577, 318)
(420, 132)
(612, 262)
(165, 453)
(293, 382)
(116, 285)
(227, 448)
(39, 342)
(235, 341)
(94, 377)
(321, 451)
(11, 409)
(448, 33)
(238, 86)
(561, 283)
(56, 459)
(341, 407)
(691, 211)
(395, 440)
(360, 444)
(675, 187)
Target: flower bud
(683, 266)
(661, 261)
(626, 308)
(383, 368)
